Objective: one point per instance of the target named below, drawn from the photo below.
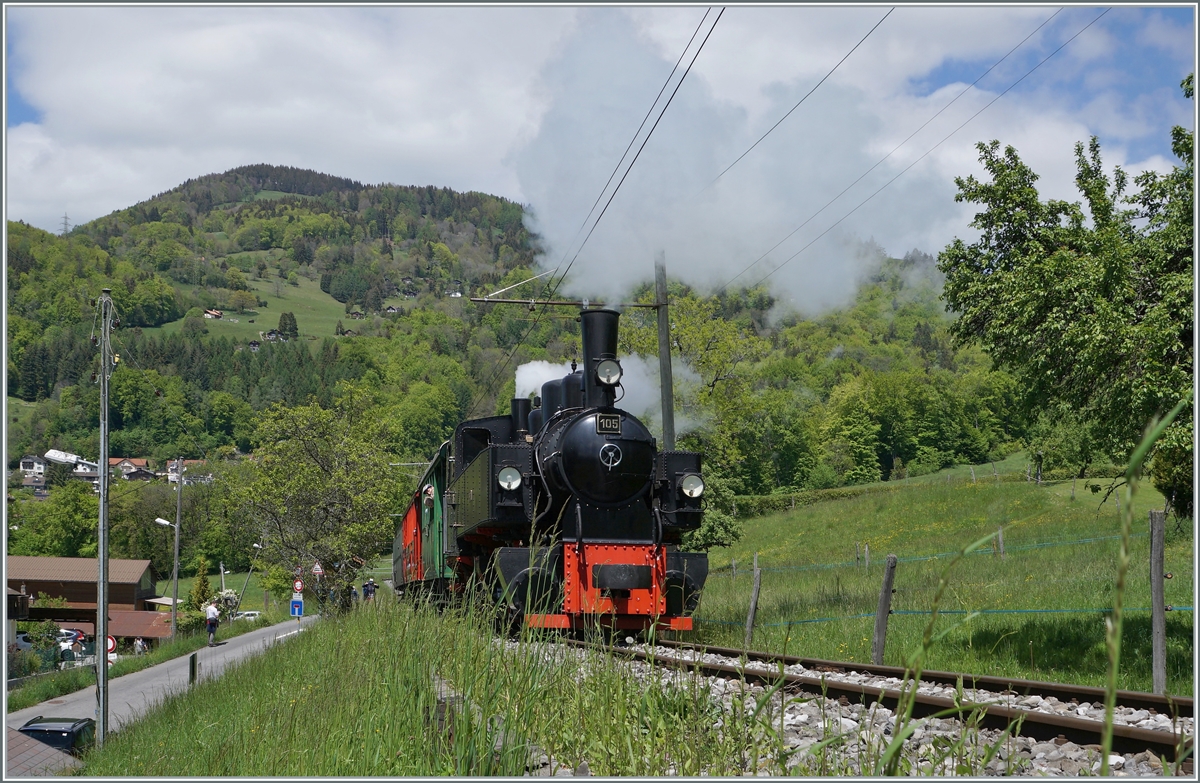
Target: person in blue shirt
(369, 590)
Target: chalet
(348, 333)
(127, 465)
(254, 344)
(272, 335)
(38, 485)
(130, 582)
(140, 474)
(213, 314)
(406, 280)
(455, 294)
(392, 309)
(410, 293)
(356, 315)
(33, 465)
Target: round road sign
(298, 586)
(112, 644)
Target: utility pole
(664, 352)
(178, 518)
(106, 367)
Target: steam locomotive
(565, 511)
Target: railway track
(998, 701)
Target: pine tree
(201, 589)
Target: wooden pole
(753, 603)
(857, 559)
(733, 570)
(884, 608)
(1158, 605)
(867, 556)
(1000, 541)
(664, 352)
(995, 473)
(1073, 488)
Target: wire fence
(939, 556)
(927, 612)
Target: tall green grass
(818, 581)
(400, 690)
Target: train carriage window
(474, 441)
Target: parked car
(68, 637)
(23, 642)
(251, 616)
(70, 735)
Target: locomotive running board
(624, 622)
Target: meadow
(317, 313)
(398, 689)
(1041, 604)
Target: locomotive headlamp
(608, 372)
(692, 485)
(509, 478)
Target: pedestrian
(369, 590)
(139, 647)
(212, 615)
(353, 595)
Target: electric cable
(893, 151)
(553, 286)
(802, 100)
(931, 149)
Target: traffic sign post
(317, 570)
(297, 608)
(112, 649)
(298, 586)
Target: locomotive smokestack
(520, 415)
(599, 332)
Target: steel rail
(1038, 725)
(1175, 706)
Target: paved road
(132, 695)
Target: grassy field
(1060, 554)
(397, 690)
(317, 313)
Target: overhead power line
(946, 138)
(554, 284)
(892, 152)
(802, 100)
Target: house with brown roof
(127, 465)
(130, 582)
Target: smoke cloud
(532, 375)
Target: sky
(107, 106)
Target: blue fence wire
(928, 612)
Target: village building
(33, 465)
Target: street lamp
(174, 578)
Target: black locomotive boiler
(565, 508)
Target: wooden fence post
(882, 611)
(1158, 606)
(1000, 541)
(972, 474)
(753, 603)
(995, 473)
(1073, 487)
(733, 570)
(867, 556)
(857, 559)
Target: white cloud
(537, 104)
